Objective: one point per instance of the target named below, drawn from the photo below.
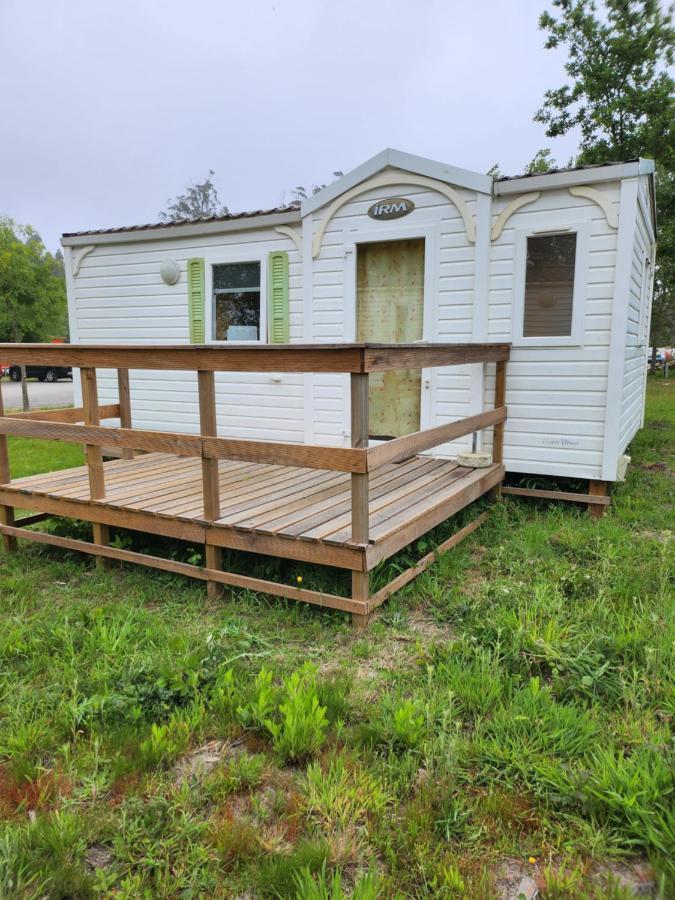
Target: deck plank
(260, 502)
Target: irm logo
(391, 208)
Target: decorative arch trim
(385, 180)
(512, 207)
(79, 255)
(293, 235)
(601, 200)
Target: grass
(512, 707)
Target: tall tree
(619, 94)
(32, 288)
(200, 201)
(301, 193)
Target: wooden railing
(356, 359)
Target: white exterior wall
(119, 297)
(556, 395)
(637, 323)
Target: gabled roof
(398, 160)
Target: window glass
(549, 285)
(236, 301)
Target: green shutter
(195, 269)
(277, 279)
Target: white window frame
(579, 291)
(261, 259)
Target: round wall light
(170, 271)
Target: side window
(236, 301)
(549, 285)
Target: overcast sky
(107, 110)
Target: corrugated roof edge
(613, 162)
(291, 207)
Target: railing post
(210, 484)
(498, 430)
(6, 512)
(94, 456)
(360, 519)
(500, 400)
(125, 406)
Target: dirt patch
(517, 878)
(98, 857)
(204, 759)
(397, 649)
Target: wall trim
(395, 178)
(628, 205)
(601, 200)
(293, 234)
(78, 255)
(511, 208)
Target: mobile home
(401, 249)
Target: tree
(541, 163)
(301, 193)
(619, 93)
(32, 288)
(200, 201)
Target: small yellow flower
(532, 860)
(299, 579)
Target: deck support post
(498, 431)
(210, 485)
(125, 406)
(6, 512)
(597, 489)
(359, 498)
(94, 456)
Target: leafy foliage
(32, 287)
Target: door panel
(390, 309)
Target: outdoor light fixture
(170, 271)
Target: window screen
(549, 285)
(236, 301)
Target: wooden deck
(296, 513)
(349, 507)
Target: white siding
(556, 395)
(120, 298)
(637, 329)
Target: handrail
(356, 359)
(409, 445)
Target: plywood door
(390, 309)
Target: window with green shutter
(196, 300)
(277, 278)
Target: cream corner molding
(510, 209)
(386, 180)
(293, 235)
(79, 255)
(602, 200)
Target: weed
(342, 799)
(276, 873)
(302, 727)
(329, 887)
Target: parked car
(42, 373)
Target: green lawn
(507, 716)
